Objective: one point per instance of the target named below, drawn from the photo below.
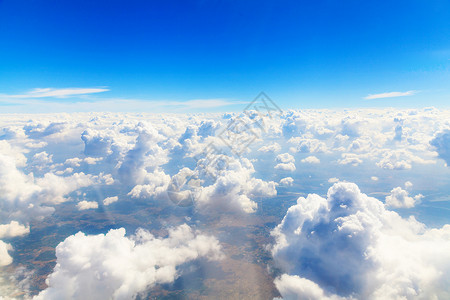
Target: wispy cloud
(114, 105)
(38, 100)
(58, 93)
(390, 95)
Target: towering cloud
(349, 245)
(441, 143)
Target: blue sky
(304, 54)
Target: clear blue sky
(301, 53)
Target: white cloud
(349, 245)
(84, 205)
(295, 287)
(109, 200)
(390, 95)
(49, 159)
(286, 167)
(374, 178)
(399, 198)
(287, 181)
(234, 188)
(311, 160)
(274, 147)
(5, 258)
(350, 159)
(156, 184)
(41, 160)
(286, 162)
(145, 156)
(441, 143)
(13, 229)
(114, 266)
(333, 180)
(58, 93)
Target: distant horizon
(50, 101)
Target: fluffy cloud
(311, 160)
(349, 245)
(274, 147)
(146, 155)
(113, 266)
(49, 159)
(286, 162)
(441, 143)
(84, 205)
(5, 258)
(156, 185)
(13, 229)
(41, 160)
(233, 188)
(400, 198)
(333, 180)
(96, 143)
(107, 201)
(288, 181)
(350, 159)
(295, 287)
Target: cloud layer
(94, 164)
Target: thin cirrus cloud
(31, 101)
(390, 95)
(59, 93)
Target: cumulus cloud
(107, 201)
(441, 142)
(308, 145)
(146, 155)
(113, 266)
(49, 159)
(13, 229)
(41, 160)
(349, 245)
(286, 162)
(5, 258)
(333, 180)
(156, 185)
(274, 147)
(295, 287)
(84, 205)
(311, 160)
(399, 198)
(97, 143)
(287, 181)
(350, 159)
(234, 187)
(25, 197)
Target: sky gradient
(304, 54)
